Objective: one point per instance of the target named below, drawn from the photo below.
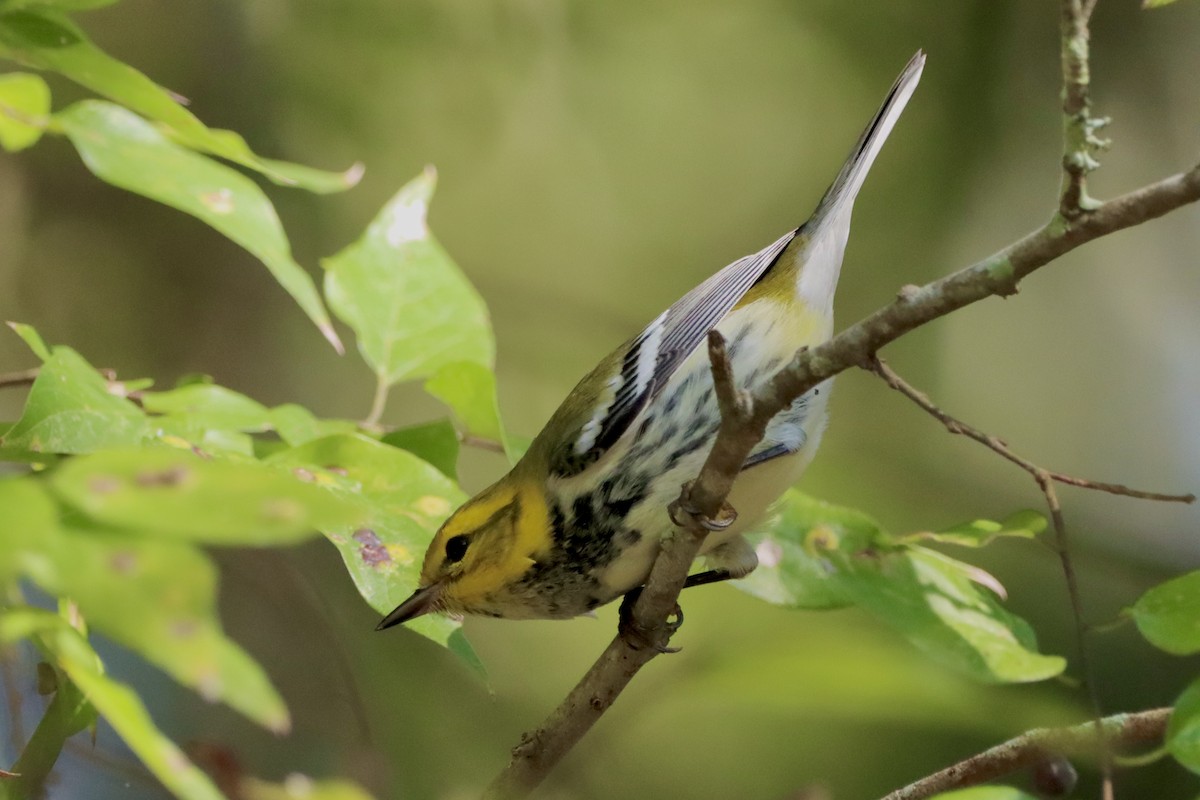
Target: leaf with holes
(173, 494)
(406, 499)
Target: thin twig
(1082, 656)
(22, 378)
(1080, 128)
(1119, 731)
(880, 367)
(480, 443)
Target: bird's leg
(730, 560)
(637, 635)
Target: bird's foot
(641, 637)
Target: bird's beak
(421, 602)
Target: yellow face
(484, 548)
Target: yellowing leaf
(24, 104)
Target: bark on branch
(1120, 732)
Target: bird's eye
(456, 548)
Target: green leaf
(1168, 615)
(1183, 729)
(435, 442)
(46, 39)
(982, 532)
(174, 494)
(470, 391)
(31, 337)
(985, 793)
(27, 516)
(210, 406)
(71, 410)
(123, 149)
(24, 106)
(1156, 3)
(125, 712)
(296, 425)
(794, 568)
(411, 308)
(301, 787)
(159, 599)
(406, 500)
(934, 602)
(817, 555)
(183, 433)
(155, 597)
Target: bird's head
(480, 552)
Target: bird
(580, 518)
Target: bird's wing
(583, 429)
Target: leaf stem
(378, 402)
(41, 752)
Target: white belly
(758, 346)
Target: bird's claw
(683, 512)
(638, 636)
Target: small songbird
(579, 520)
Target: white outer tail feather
(829, 227)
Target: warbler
(579, 520)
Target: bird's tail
(828, 229)
(850, 179)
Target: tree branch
(956, 426)
(1080, 128)
(1079, 220)
(1119, 732)
(998, 274)
(24, 377)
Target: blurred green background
(596, 160)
